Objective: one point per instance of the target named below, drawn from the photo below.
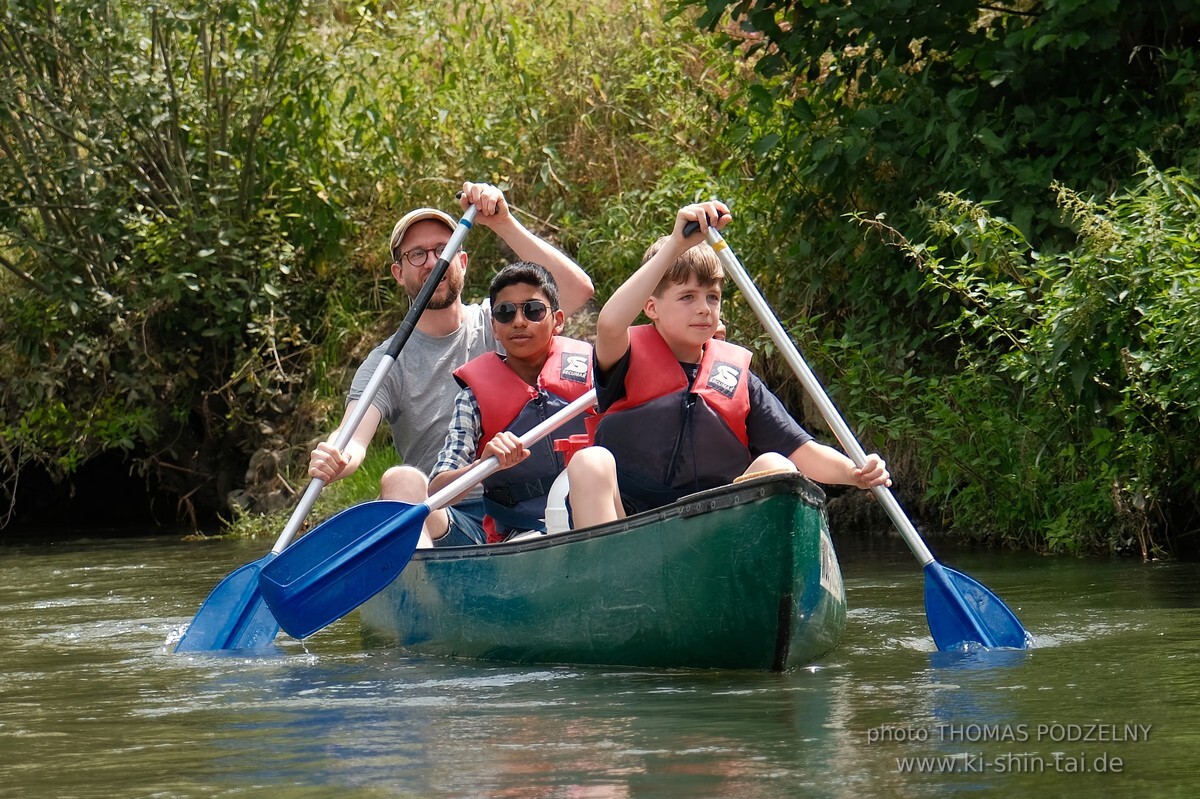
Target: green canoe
(739, 577)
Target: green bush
(1071, 422)
(196, 198)
(162, 202)
(871, 110)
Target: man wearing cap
(417, 399)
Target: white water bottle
(558, 519)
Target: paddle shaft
(401, 336)
(485, 469)
(813, 386)
(351, 557)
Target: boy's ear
(650, 308)
(560, 321)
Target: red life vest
(502, 393)
(515, 498)
(723, 379)
(669, 439)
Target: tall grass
(598, 121)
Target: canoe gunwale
(713, 499)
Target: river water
(93, 703)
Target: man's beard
(453, 290)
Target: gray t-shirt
(417, 398)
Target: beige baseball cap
(412, 218)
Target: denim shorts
(466, 525)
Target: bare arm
(623, 307)
(827, 465)
(574, 285)
(330, 464)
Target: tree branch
(25, 276)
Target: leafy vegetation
(186, 183)
(163, 198)
(195, 196)
(875, 109)
(1075, 401)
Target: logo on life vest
(724, 378)
(574, 367)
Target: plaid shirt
(462, 439)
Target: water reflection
(93, 703)
(488, 731)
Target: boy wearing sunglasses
(417, 398)
(504, 396)
(681, 411)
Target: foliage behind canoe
(194, 201)
(194, 196)
(161, 215)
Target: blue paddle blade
(961, 611)
(341, 564)
(234, 616)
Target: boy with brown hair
(681, 410)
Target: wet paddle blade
(234, 616)
(341, 564)
(961, 611)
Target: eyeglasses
(506, 312)
(417, 256)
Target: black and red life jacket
(668, 438)
(515, 498)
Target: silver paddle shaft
(813, 386)
(469, 478)
(347, 430)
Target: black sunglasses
(534, 311)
